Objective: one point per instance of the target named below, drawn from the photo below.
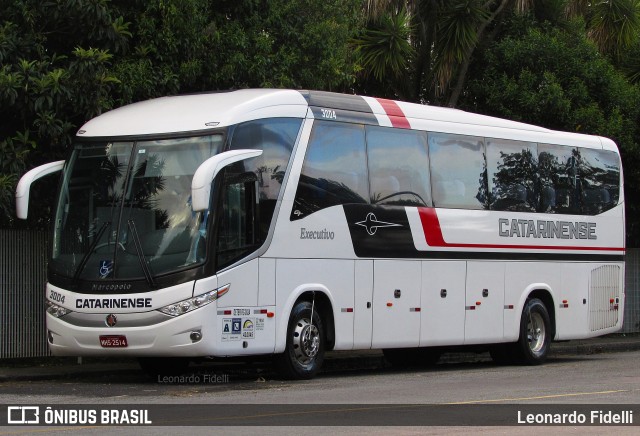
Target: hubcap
(306, 341)
(536, 332)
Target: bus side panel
(573, 316)
(484, 304)
(521, 279)
(363, 313)
(267, 282)
(396, 303)
(334, 277)
(244, 285)
(442, 302)
(243, 330)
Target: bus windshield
(124, 210)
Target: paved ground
(52, 368)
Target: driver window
(398, 167)
(237, 233)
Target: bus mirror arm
(207, 171)
(24, 185)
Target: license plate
(119, 341)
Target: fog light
(50, 336)
(195, 336)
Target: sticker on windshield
(106, 267)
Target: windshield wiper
(143, 262)
(92, 247)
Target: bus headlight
(185, 306)
(55, 310)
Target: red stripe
(395, 114)
(433, 235)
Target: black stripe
(322, 113)
(333, 100)
(396, 242)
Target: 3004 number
(330, 114)
(55, 296)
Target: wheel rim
(306, 341)
(536, 332)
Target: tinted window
(600, 177)
(398, 166)
(251, 187)
(458, 175)
(512, 168)
(334, 170)
(558, 179)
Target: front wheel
(304, 352)
(533, 344)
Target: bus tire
(306, 342)
(533, 344)
(161, 366)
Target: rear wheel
(306, 342)
(533, 344)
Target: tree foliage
(54, 75)
(62, 62)
(446, 36)
(564, 64)
(522, 77)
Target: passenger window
(512, 168)
(458, 173)
(558, 172)
(334, 170)
(600, 176)
(398, 166)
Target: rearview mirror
(24, 185)
(207, 171)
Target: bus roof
(201, 112)
(194, 112)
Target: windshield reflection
(124, 210)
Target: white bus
(290, 223)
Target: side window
(251, 187)
(334, 170)
(398, 166)
(600, 175)
(238, 231)
(559, 187)
(512, 174)
(458, 173)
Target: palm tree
(421, 49)
(416, 46)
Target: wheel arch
(324, 302)
(543, 293)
